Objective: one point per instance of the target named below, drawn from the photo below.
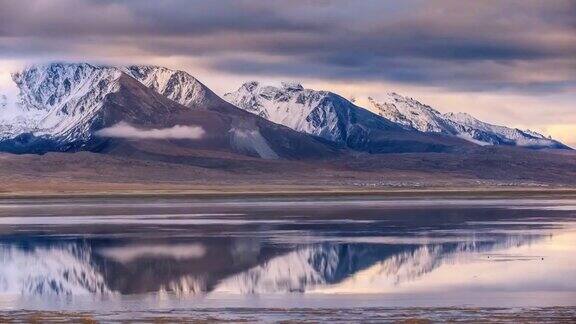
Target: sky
(509, 62)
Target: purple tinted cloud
(474, 45)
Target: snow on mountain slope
(58, 100)
(173, 84)
(320, 113)
(60, 106)
(250, 140)
(411, 113)
(330, 116)
(505, 135)
(62, 99)
(63, 107)
(291, 105)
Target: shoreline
(564, 314)
(294, 192)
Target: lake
(272, 259)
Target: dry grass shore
(97, 175)
(115, 190)
(417, 315)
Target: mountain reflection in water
(238, 266)
(379, 250)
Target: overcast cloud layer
(517, 47)
(480, 45)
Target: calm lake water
(114, 257)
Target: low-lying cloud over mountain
(124, 130)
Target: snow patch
(469, 138)
(251, 140)
(176, 85)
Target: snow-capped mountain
(173, 84)
(410, 114)
(413, 114)
(330, 116)
(61, 100)
(58, 100)
(65, 107)
(319, 113)
(477, 129)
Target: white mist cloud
(124, 130)
(9, 109)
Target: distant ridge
(411, 113)
(330, 116)
(320, 113)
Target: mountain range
(160, 115)
(328, 115)
(413, 114)
(63, 106)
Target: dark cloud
(470, 76)
(477, 45)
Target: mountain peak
(462, 117)
(288, 104)
(332, 117)
(250, 85)
(52, 98)
(408, 112)
(395, 95)
(292, 86)
(177, 85)
(412, 113)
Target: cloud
(472, 45)
(9, 108)
(124, 130)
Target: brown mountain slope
(227, 129)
